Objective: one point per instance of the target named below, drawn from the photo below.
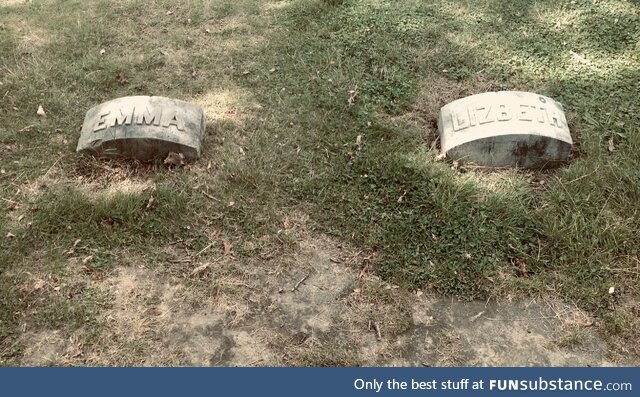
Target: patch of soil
(310, 308)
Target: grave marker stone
(505, 129)
(143, 128)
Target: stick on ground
(295, 287)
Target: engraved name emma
(155, 117)
(491, 113)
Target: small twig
(203, 250)
(150, 203)
(477, 316)
(632, 271)
(254, 362)
(207, 195)
(180, 260)
(17, 177)
(295, 288)
(377, 328)
(583, 176)
(521, 319)
(348, 330)
(53, 165)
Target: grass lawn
(321, 128)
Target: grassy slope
(303, 83)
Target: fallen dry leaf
(120, 78)
(10, 235)
(352, 96)
(200, 269)
(87, 259)
(363, 271)
(40, 112)
(522, 267)
(76, 351)
(402, 197)
(610, 145)
(228, 248)
(174, 159)
(38, 284)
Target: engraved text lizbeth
(483, 114)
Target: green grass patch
(326, 107)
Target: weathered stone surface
(143, 128)
(505, 129)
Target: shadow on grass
(348, 70)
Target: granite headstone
(505, 129)
(143, 128)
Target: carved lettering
(123, 118)
(101, 124)
(473, 120)
(174, 119)
(504, 113)
(556, 119)
(143, 128)
(504, 129)
(486, 116)
(156, 117)
(459, 124)
(149, 118)
(523, 113)
(542, 113)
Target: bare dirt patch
(310, 308)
